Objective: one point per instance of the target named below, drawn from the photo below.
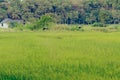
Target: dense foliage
(64, 11)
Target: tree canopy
(64, 11)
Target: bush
(29, 26)
(60, 27)
(76, 28)
(99, 25)
(43, 22)
(13, 24)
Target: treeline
(63, 11)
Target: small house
(3, 25)
(5, 22)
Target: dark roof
(6, 20)
(10, 20)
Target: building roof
(7, 20)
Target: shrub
(29, 26)
(13, 24)
(16, 25)
(60, 27)
(43, 22)
(76, 28)
(99, 25)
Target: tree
(43, 22)
(65, 11)
(105, 17)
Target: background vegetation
(63, 11)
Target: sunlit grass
(60, 56)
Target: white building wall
(4, 25)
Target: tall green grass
(60, 56)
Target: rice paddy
(59, 55)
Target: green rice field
(61, 55)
